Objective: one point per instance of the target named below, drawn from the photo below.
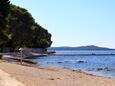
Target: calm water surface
(96, 65)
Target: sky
(75, 22)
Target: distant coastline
(90, 47)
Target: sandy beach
(16, 75)
(7, 80)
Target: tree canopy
(4, 11)
(23, 31)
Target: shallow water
(96, 65)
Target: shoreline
(44, 76)
(93, 54)
(37, 66)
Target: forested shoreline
(19, 28)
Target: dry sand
(7, 80)
(31, 76)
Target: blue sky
(75, 22)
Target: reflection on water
(97, 65)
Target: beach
(7, 80)
(32, 76)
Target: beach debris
(51, 79)
(58, 78)
(73, 70)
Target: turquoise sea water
(96, 65)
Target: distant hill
(90, 47)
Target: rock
(107, 69)
(59, 62)
(81, 62)
(99, 69)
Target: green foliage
(23, 31)
(20, 23)
(4, 11)
(41, 38)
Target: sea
(99, 65)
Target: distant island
(90, 47)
